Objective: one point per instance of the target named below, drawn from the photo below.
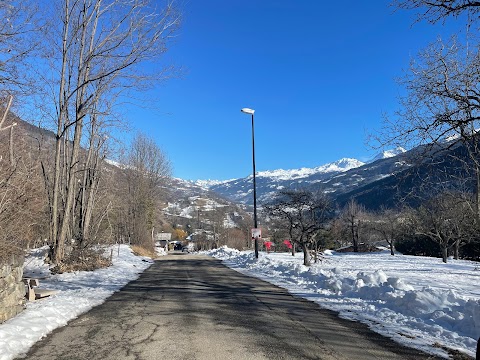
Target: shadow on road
(211, 292)
(193, 307)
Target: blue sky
(318, 73)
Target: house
(162, 240)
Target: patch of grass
(141, 251)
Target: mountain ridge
(334, 178)
(341, 165)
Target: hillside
(180, 202)
(334, 178)
(194, 207)
(388, 179)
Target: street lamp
(255, 224)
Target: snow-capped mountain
(389, 180)
(331, 178)
(294, 174)
(389, 153)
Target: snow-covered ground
(417, 301)
(78, 292)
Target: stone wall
(12, 288)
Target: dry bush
(82, 260)
(8, 252)
(23, 215)
(141, 251)
(235, 239)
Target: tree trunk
(70, 196)
(85, 47)
(62, 111)
(306, 255)
(391, 248)
(293, 248)
(89, 186)
(354, 236)
(456, 249)
(55, 196)
(444, 253)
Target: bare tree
(438, 10)
(446, 219)
(303, 214)
(352, 216)
(101, 46)
(442, 101)
(217, 217)
(88, 184)
(146, 171)
(235, 238)
(18, 28)
(337, 232)
(389, 224)
(22, 208)
(441, 109)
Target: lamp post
(255, 224)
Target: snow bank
(160, 251)
(414, 300)
(78, 293)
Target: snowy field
(79, 292)
(417, 301)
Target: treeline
(70, 65)
(445, 225)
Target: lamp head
(247, 111)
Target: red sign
(288, 244)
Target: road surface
(193, 307)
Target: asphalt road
(193, 307)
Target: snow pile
(78, 293)
(224, 253)
(160, 251)
(414, 300)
